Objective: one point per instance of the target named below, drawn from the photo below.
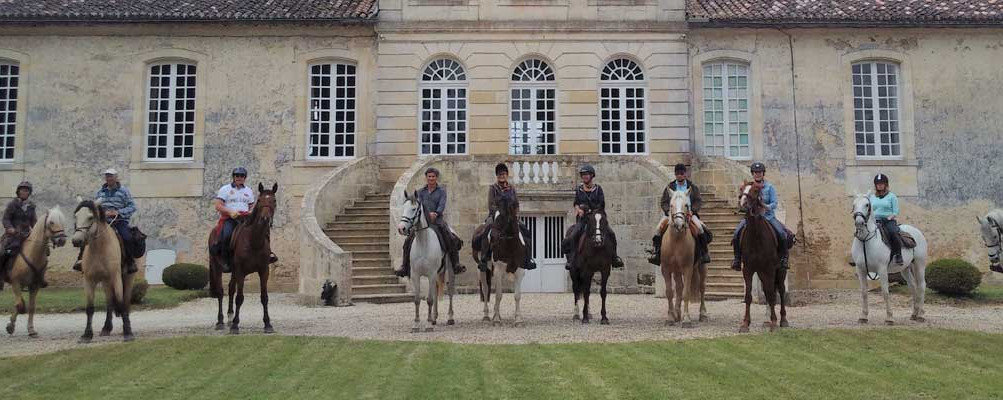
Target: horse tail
(693, 290)
(486, 294)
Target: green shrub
(186, 276)
(139, 287)
(952, 276)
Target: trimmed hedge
(139, 288)
(952, 276)
(186, 276)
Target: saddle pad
(908, 241)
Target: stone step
(371, 246)
(370, 254)
(378, 197)
(734, 277)
(349, 239)
(368, 211)
(718, 287)
(360, 225)
(383, 298)
(371, 270)
(358, 262)
(381, 220)
(357, 229)
(723, 295)
(374, 280)
(375, 204)
(378, 289)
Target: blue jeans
(122, 227)
(225, 234)
(777, 227)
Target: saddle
(908, 241)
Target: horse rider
(589, 197)
(233, 202)
(769, 197)
(885, 206)
(432, 198)
(18, 219)
(705, 237)
(499, 190)
(116, 200)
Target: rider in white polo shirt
(233, 201)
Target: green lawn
(866, 364)
(64, 300)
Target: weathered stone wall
(632, 185)
(83, 90)
(949, 124)
(321, 259)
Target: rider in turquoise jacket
(885, 206)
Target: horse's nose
(77, 242)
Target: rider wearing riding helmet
(499, 190)
(233, 201)
(682, 184)
(885, 207)
(18, 219)
(769, 197)
(588, 198)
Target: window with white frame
(332, 111)
(726, 110)
(622, 119)
(532, 118)
(876, 109)
(9, 75)
(170, 114)
(443, 122)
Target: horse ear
(79, 200)
(275, 187)
(261, 188)
(978, 218)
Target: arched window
(9, 77)
(170, 113)
(443, 89)
(622, 116)
(726, 109)
(332, 110)
(876, 109)
(532, 118)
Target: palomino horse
(991, 228)
(508, 253)
(595, 254)
(251, 246)
(682, 272)
(871, 255)
(28, 265)
(760, 257)
(102, 263)
(427, 260)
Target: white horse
(426, 260)
(872, 256)
(992, 233)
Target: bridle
(868, 235)
(53, 236)
(86, 229)
(413, 221)
(261, 206)
(682, 213)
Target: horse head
(861, 213)
(410, 213)
(87, 215)
(55, 222)
(264, 207)
(749, 200)
(597, 223)
(505, 220)
(680, 206)
(992, 234)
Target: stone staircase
(363, 230)
(720, 217)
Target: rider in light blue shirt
(885, 207)
(769, 196)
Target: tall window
(532, 117)
(332, 111)
(170, 114)
(444, 108)
(726, 110)
(8, 109)
(876, 109)
(621, 108)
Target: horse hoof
(576, 318)
(889, 323)
(784, 323)
(219, 326)
(434, 322)
(586, 321)
(670, 323)
(604, 321)
(415, 330)
(234, 331)
(772, 327)
(919, 319)
(10, 328)
(33, 335)
(486, 319)
(128, 338)
(687, 325)
(429, 329)
(84, 340)
(269, 329)
(496, 323)
(517, 324)
(105, 332)
(862, 321)
(450, 322)
(703, 318)
(743, 329)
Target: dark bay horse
(760, 256)
(508, 252)
(595, 254)
(251, 246)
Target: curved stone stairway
(363, 230)
(720, 217)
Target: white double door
(545, 247)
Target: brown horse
(595, 254)
(682, 272)
(251, 244)
(28, 265)
(760, 256)
(102, 263)
(508, 252)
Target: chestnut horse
(251, 249)
(760, 256)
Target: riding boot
(702, 250)
(130, 265)
(485, 259)
(996, 268)
(529, 263)
(272, 258)
(617, 262)
(454, 258)
(77, 266)
(896, 244)
(570, 257)
(656, 253)
(225, 258)
(405, 269)
(736, 264)
(784, 255)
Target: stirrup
(403, 272)
(736, 264)
(996, 268)
(529, 265)
(78, 266)
(655, 259)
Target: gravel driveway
(546, 319)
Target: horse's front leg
(266, 319)
(782, 291)
(89, 293)
(517, 288)
(862, 277)
(747, 319)
(416, 289)
(19, 307)
(602, 293)
(433, 296)
(485, 294)
(888, 304)
(586, 293)
(235, 325)
(686, 290)
(451, 287)
(703, 291)
(498, 278)
(31, 312)
(231, 292)
(667, 279)
(680, 294)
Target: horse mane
(95, 208)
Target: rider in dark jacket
(588, 197)
(433, 199)
(502, 189)
(681, 183)
(18, 219)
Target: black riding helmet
(880, 178)
(501, 167)
(757, 167)
(587, 169)
(25, 185)
(239, 171)
(680, 168)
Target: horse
(760, 257)
(595, 254)
(427, 259)
(871, 255)
(508, 250)
(251, 245)
(682, 272)
(992, 234)
(102, 263)
(29, 264)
